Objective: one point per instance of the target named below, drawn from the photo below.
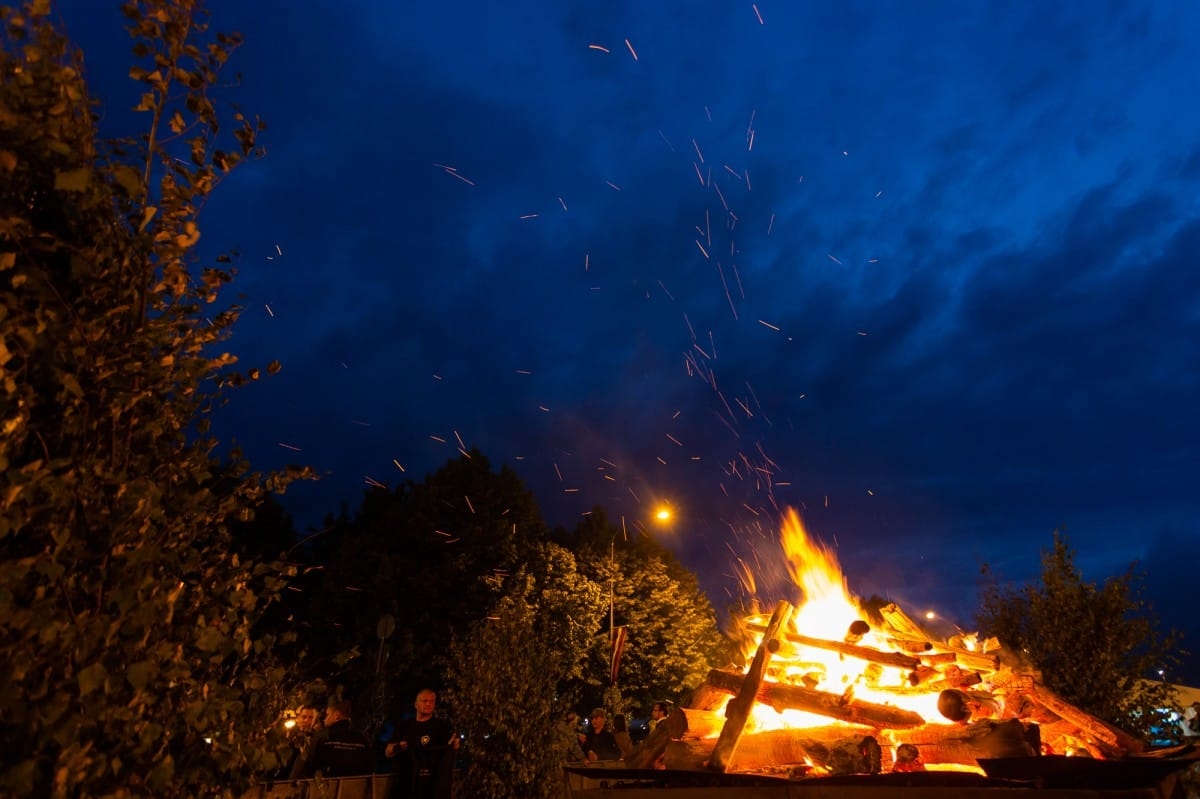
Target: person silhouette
(423, 748)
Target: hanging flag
(618, 647)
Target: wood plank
(742, 704)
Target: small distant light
(289, 723)
(929, 614)
(663, 515)
(208, 740)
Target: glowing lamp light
(929, 614)
(663, 514)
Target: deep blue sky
(924, 270)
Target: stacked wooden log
(989, 706)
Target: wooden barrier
(372, 786)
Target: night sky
(925, 271)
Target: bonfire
(834, 689)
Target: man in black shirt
(337, 750)
(424, 751)
(598, 742)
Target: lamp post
(661, 516)
(612, 583)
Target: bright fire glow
(825, 610)
(836, 673)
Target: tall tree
(423, 554)
(1095, 644)
(132, 662)
(507, 673)
(672, 637)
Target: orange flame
(826, 610)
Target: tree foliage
(421, 554)
(133, 665)
(506, 674)
(1095, 644)
(512, 625)
(672, 634)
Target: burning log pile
(884, 695)
(833, 687)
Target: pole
(612, 585)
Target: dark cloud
(925, 275)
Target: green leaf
(147, 214)
(92, 678)
(139, 673)
(211, 639)
(72, 179)
(71, 384)
(128, 179)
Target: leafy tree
(422, 553)
(672, 634)
(1094, 644)
(132, 661)
(506, 675)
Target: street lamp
(662, 516)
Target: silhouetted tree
(132, 663)
(420, 554)
(1097, 645)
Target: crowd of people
(421, 749)
(598, 740)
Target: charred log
(858, 628)
(965, 743)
